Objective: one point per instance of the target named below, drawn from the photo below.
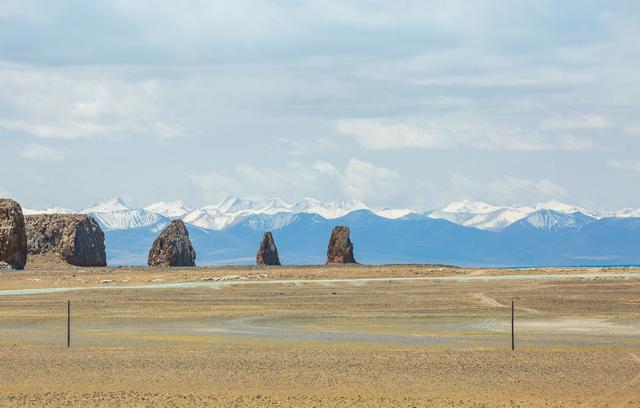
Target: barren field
(396, 336)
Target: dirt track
(376, 343)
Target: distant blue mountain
(544, 238)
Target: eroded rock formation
(173, 247)
(340, 249)
(76, 238)
(13, 239)
(267, 253)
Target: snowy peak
(171, 209)
(230, 210)
(276, 203)
(493, 218)
(208, 218)
(233, 209)
(393, 213)
(625, 213)
(306, 204)
(235, 205)
(561, 207)
(479, 207)
(469, 207)
(275, 206)
(498, 219)
(115, 204)
(52, 210)
(263, 222)
(329, 210)
(549, 220)
(116, 214)
(125, 219)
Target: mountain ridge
(572, 240)
(116, 214)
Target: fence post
(513, 332)
(68, 323)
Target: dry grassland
(319, 343)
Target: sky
(395, 103)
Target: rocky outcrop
(172, 247)
(340, 249)
(13, 239)
(267, 253)
(76, 238)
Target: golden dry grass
(382, 343)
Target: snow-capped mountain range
(492, 218)
(115, 214)
(461, 233)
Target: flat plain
(363, 336)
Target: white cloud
(576, 122)
(302, 146)
(12, 9)
(213, 186)
(74, 103)
(166, 131)
(462, 184)
(293, 176)
(247, 180)
(41, 152)
(375, 134)
(453, 132)
(486, 70)
(506, 190)
(359, 180)
(624, 164)
(494, 76)
(363, 180)
(513, 189)
(549, 188)
(324, 167)
(632, 129)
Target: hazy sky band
(394, 103)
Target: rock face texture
(172, 247)
(13, 239)
(340, 249)
(267, 253)
(77, 239)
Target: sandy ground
(317, 343)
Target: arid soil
(315, 343)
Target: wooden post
(513, 332)
(68, 323)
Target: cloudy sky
(396, 103)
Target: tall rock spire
(267, 253)
(173, 247)
(340, 249)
